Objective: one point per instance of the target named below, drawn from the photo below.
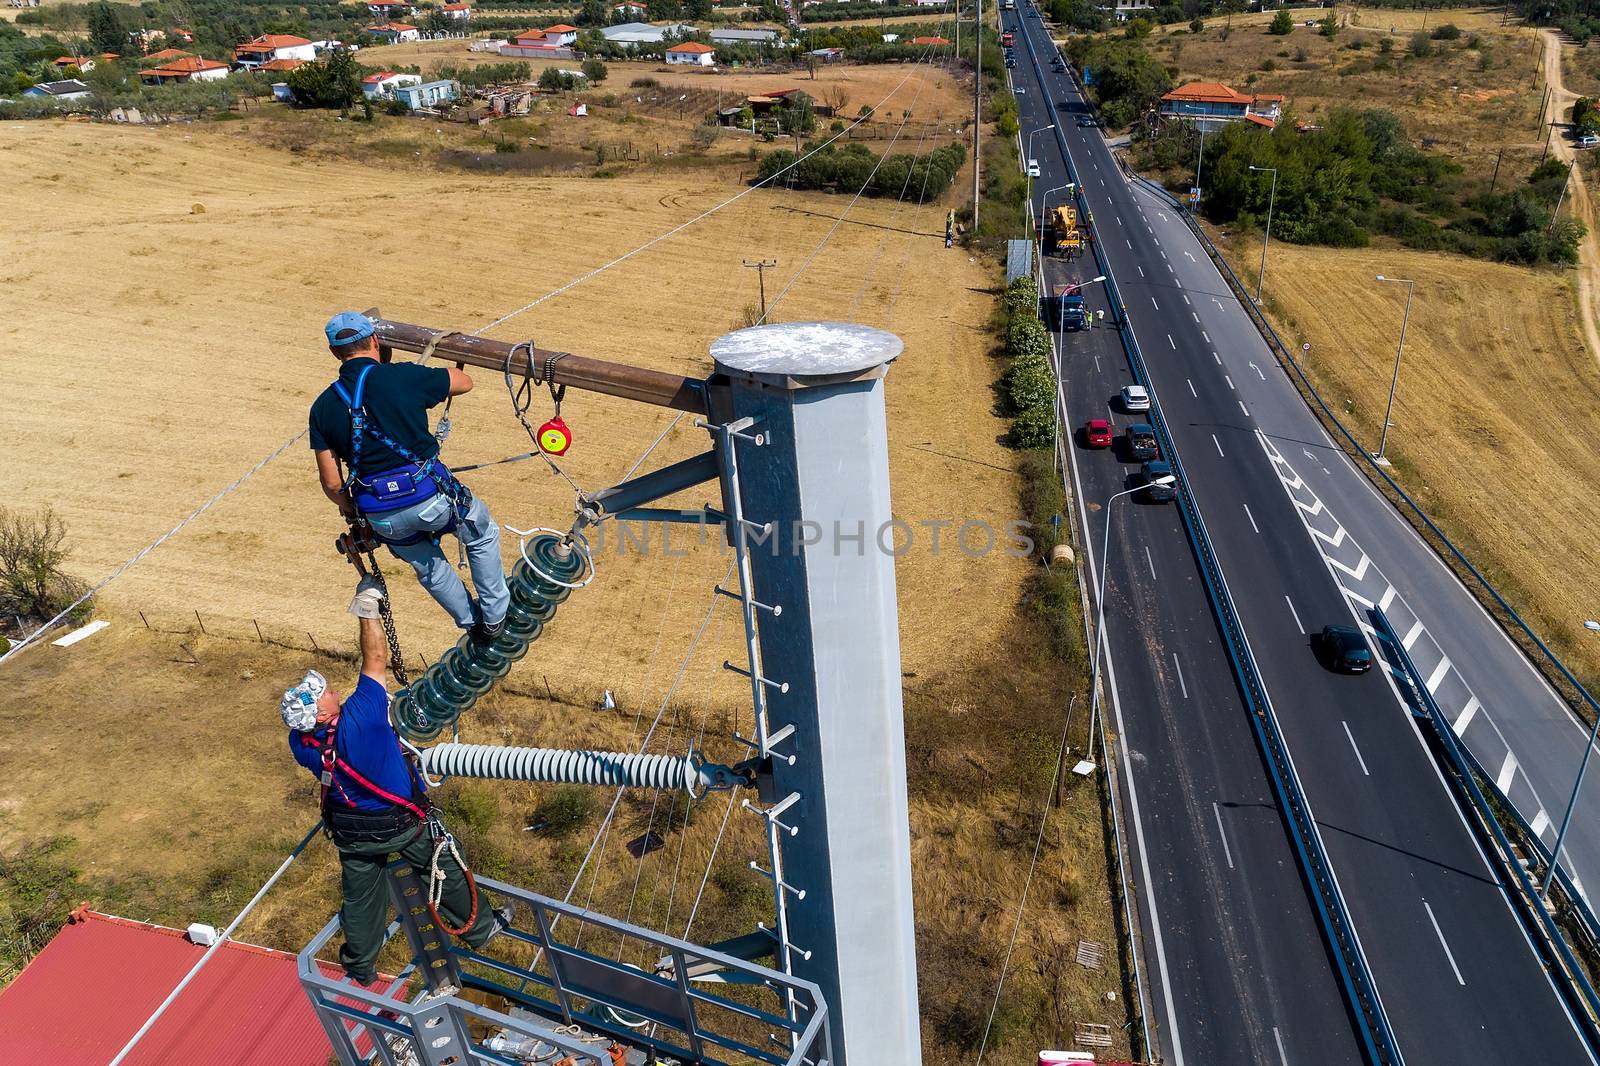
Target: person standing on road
(374, 420)
(374, 802)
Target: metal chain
(396, 663)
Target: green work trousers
(364, 912)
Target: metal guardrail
(1355, 976)
(1286, 355)
(1466, 772)
(563, 995)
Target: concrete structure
(192, 68)
(537, 44)
(70, 89)
(459, 12)
(394, 32)
(426, 94)
(390, 8)
(269, 46)
(281, 92)
(560, 35)
(1210, 105)
(636, 33)
(692, 53)
(381, 86)
(815, 391)
(1123, 10)
(724, 36)
(25, 3)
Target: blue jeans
(478, 534)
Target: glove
(368, 598)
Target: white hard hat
(299, 704)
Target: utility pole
(1496, 179)
(977, 108)
(760, 267)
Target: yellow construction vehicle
(1066, 238)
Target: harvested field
(1494, 418)
(201, 264)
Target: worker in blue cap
(374, 421)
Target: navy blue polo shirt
(397, 397)
(365, 741)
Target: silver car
(1135, 398)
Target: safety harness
(418, 805)
(403, 486)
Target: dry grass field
(1464, 102)
(161, 306)
(1496, 414)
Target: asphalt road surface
(1456, 973)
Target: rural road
(1304, 541)
(1582, 206)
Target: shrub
(1386, 45)
(595, 71)
(1330, 26)
(1026, 337)
(1196, 26)
(1269, 65)
(1421, 46)
(1447, 32)
(564, 811)
(1301, 55)
(1282, 23)
(32, 584)
(1033, 428)
(1136, 29)
(1022, 296)
(1030, 383)
(643, 83)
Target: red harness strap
(332, 761)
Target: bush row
(1028, 386)
(848, 169)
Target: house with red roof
(1210, 104)
(381, 86)
(269, 46)
(84, 63)
(540, 43)
(692, 53)
(560, 35)
(394, 32)
(459, 12)
(245, 1007)
(281, 66)
(167, 55)
(187, 69)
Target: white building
(459, 12)
(381, 86)
(1123, 10)
(70, 89)
(394, 32)
(269, 46)
(692, 53)
(187, 69)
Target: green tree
(595, 71)
(1282, 23)
(1196, 25)
(698, 10)
(1136, 29)
(662, 10)
(1585, 116)
(106, 32)
(331, 82)
(1330, 26)
(1420, 46)
(435, 21)
(593, 13)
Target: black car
(1343, 649)
(1152, 477)
(1088, 122)
(1142, 443)
(1011, 61)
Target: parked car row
(1139, 445)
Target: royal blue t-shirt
(366, 742)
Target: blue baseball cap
(347, 327)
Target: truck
(1008, 39)
(1065, 236)
(1065, 309)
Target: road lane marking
(1253, 525)
(1128, 243)
(1540, 823)
(1172, 342)
(1227, 852)
(1464, 719)
(1360, 570)
(1177, 666)
(1170, 270)
(1097, 364)
(1151, 560)
(1335, 540)
(1433, 684)
(1118, 218)
(1228, 379)
(1218, 443)
(1257, 369)
(1186, 298)
(1388, 598)
(1278, 1037)
(1243, 409)
(1508, 771)
(1447, 953)
(1190, 255)
(1217, 357)
(1207, 336)
(1355, 749)
(1411, 637)
(1163, 253)
(1195, 316)
(1293, 613)
(1154, 304)
(1140, 269)
(1196, 395)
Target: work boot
(485, 633)
(502, 922)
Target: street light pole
(1100, 604)
(977, 109)
(1271, 199)
(1383, 439)
(1198, 163)
(1572, 802)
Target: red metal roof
(562, 28)
(1207, 92)
(169, 53)
(98, 981)
(272, 41)
(692, 46)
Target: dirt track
(161, 308)
(1582, 206)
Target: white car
(1135, 398)
(1019, 90)
(1033, 168)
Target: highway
(1296, 530)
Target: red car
(1097, 433)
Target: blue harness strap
(405, 486)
